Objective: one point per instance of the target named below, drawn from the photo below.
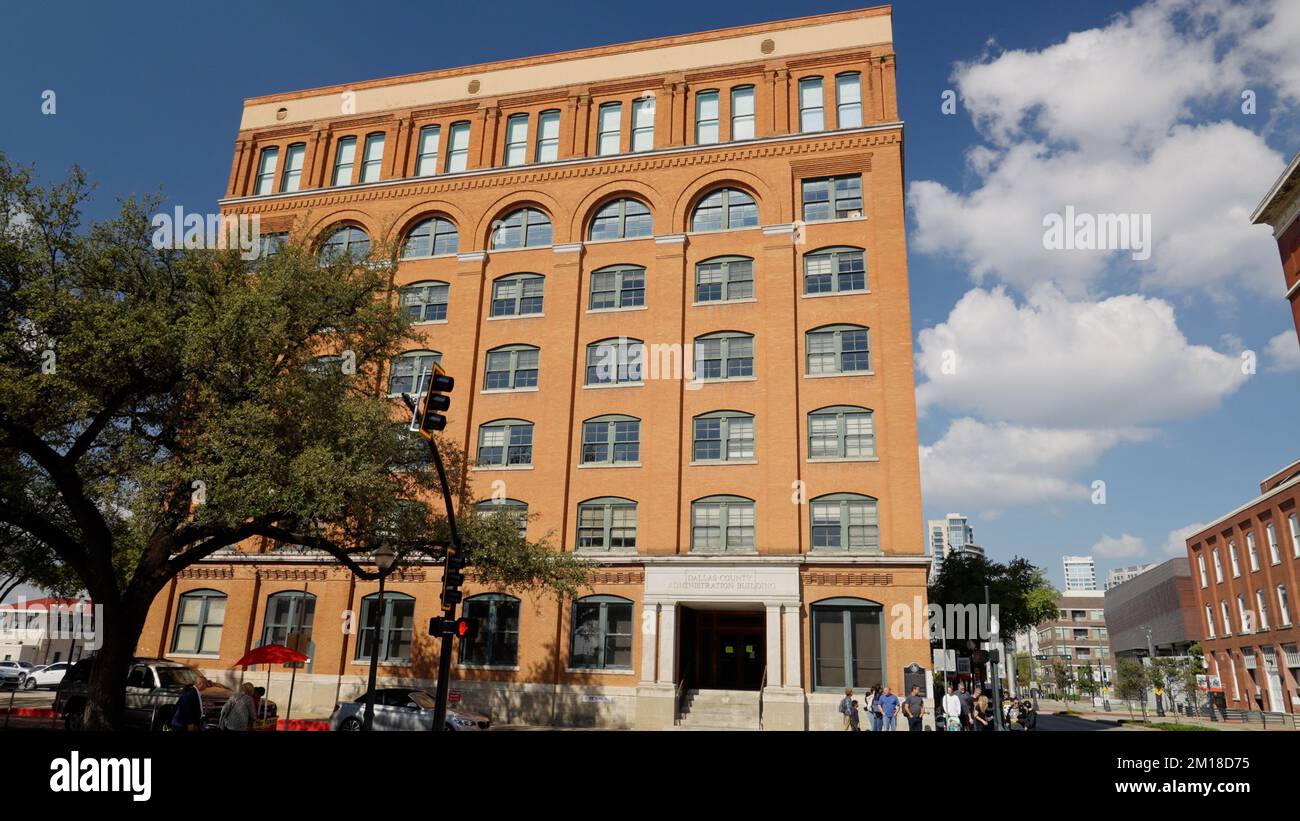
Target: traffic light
(436, 402)
(452, 578)
(462, 628)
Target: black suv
(153, 686)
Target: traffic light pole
(449, 609)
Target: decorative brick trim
(849, 579)
(616, 577)
(209, 573)
(300, 574)
(825, 167)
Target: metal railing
(761, 687)
(680, 695)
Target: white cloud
(1052, 361)
(1125, 546)
(1105, 121)
(977, 465)
(1176, 541)
(1283, 353)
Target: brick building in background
(1246, 573)
(1280, 210)
(562, 219)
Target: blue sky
(1113, 107)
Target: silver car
(401, 708)
(14, 673)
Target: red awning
(270, 654)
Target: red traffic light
(461, 628)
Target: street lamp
(384, 558)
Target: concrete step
(720, 710)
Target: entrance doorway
(722, 649)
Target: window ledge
(429, 322)
(724, 231)
(617, 310)
(515, 316)
(502, 467)
(835, 293)
(836, 551)
(510, 668)
(594, 553)
(720, 462)
(599, 465)
(697, 551)
(712, 302)
(521, 248)
(834, 459)
(600, 671)
(428, 256)
(619, 239)
(615, 385)
(834, 220)
(382, 663)
(510, 390)
(833, 375)
(193, 655)
(699, 381)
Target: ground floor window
(289, 617)
(496, 643)
(199, 619)
(848, 647)
(602, 634)
(395, 630)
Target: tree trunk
(119, 630)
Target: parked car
(47, 675)
(401, 708)
(153, 686)
(14, 673)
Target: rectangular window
(609, 125)
(643, 124)
(548, 136)
(395, 629)
(742, 113)
(848, 100)
(344, 157)
(266, 171)
(291, 179)
(811, 116)
(828, 198)
(516, 139)
(373, 161)
(199, 620)
(426, 162)
(706, 118)
(458, 148)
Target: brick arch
(421, 211)
(343, 216)
(586, 209)
(751, 184)
(509, 202)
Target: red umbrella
(270, 654)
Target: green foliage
(1019, 589)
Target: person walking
(872, 700)
(963, 698)
(846, 708)
(887, 708)
(914, 709)
(952, 711)
(1028, 715)
(188, 716)
(854, 718)
(981, 713)
(238, 712)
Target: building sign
(722, 583)
(597, 699)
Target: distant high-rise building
(951, 534)
(1122, 574)
(1080, 573)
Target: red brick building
(1280, 210)
(1246, 570)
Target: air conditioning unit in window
(856, 215)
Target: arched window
(496, 642)
(405, 371)
(289, 618)
(515, 509)
(845, 521)
(847, 644)
(722, 436)
(617, 286)
(722, 523)
(511, 368)
(1283, 606)
(612, 440)
(601, 638)
(394, 628)
(432, 237)
(425, 301)
(348, 241)
(200, 615)
(848, 100)
(725, 209)
(724, 279)
(837, 349)
(622, 219)
(841, 432)
(835, 270)
(615, 361)
(607, 525)
(518, 295)
(505, 442)
(522, 228)
(727, 355)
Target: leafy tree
(158, 405)
(1132, 683)
(1022, 661)
(1062, 677)
(1088, 682)
(1020, 590)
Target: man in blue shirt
(189, 707)
(887, 707)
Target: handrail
(680, 693)
(761, 687)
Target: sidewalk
(1119, 714)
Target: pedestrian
(188, 716)
(914, 709)
(854, 718)
(259, 696)
(876, 720)
(1028, 715)
(887, 708)
(846, 708)
(238, 712)
(963, 698)
(981, 714)
(952, 711)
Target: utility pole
(997, 684)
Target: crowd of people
(957, 711)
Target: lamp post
(384, 558)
